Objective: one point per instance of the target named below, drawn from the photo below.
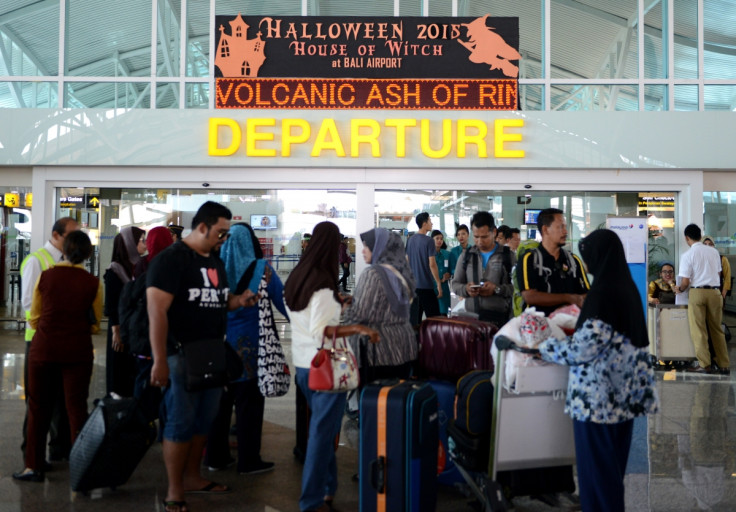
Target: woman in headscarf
(157, 239)
(314, 305)
(611, 381)
(127, 248)
(246, 269)
(382, 301)
(442, 257)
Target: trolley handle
(505, 343)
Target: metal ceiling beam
(6, 62)
(726, 47)
(28, 10)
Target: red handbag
(334, 368)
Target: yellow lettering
(288, 137)
(252, 135)
(401, 125)
(357, 138)
(479, 138)
(328, 129)
(213, 148)
(446, 145)
(501, 137)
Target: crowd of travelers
(216, 284)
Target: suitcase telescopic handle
(504, 343)
(378, 474)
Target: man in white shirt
(699, 272)
(30, 270)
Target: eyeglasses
(223, 234)
(668, 271)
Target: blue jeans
(319, 477)
(188, 413)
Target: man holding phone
(482, 273)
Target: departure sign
(367, 62)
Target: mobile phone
(477, 285)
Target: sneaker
(259, 467)
(724, 371)
(220, 468)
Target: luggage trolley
(669, 334)
(529, 428)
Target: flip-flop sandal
(210, 489)
(175, 506)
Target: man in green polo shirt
(30, 270)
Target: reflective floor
(684, 458)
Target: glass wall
(592, 55)
(585, 212)
(282, 217)
(720, 223)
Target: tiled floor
(684, 460)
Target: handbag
(205, 364)
(274, 376)
(334, 369)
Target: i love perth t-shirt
(200, 289)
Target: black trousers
(249, 405)
(345, 274)
(425, 303)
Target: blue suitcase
(448, 473)
(398, 447)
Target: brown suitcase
(451, 347)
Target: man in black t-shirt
(188, 298)
(550, 276)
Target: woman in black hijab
(611, 379)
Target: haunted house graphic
(238, 56)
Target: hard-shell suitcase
(398, 447)
(112, 442)
(447, 472)
(451, 347)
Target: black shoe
(47, 466)
(29, 475)
(260, 467)
(724, 371)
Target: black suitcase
(398, 447)
(110, 445)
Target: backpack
(517, 302)
(133, 311)
(525, 247)
(469, 434)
